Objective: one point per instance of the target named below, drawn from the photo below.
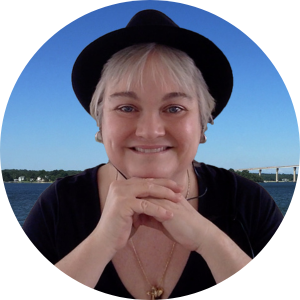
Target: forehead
(153, 72)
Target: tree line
(252, 176)
(50, 176)
(33, 175)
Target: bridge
(277, 169)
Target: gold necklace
(156, 292)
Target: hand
(126, 202)
(187, 227)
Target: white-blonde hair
(130, 63)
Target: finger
(168, 183)
(154, 188)
(167, 205)
(143, 206)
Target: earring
(98, 137)
(203, 139)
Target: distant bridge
(277, 169)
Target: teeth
(150, 150)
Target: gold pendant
(155, 293)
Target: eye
(126, 108)
(174, 109)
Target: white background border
(27, 25)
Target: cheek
(115, 131)
(189, 131)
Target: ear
(98, 136)
(203, 138)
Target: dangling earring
(203, 136)
(98, 137)
(203, 139)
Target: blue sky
(45, 127)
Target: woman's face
(151, 130)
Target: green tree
(248, 175)
(6, 176)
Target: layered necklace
(156, 292)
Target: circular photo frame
(45, 128)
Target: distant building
(21, 178)
(284, 179)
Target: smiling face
(152, 128)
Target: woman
(152, 223)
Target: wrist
(206, 238)
(103, 243)
(222, 255)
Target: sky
(45, 127)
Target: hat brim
(211, 61)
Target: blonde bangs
(129, 64)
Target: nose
(150, 126)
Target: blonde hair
(130, 62)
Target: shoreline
(278, 181)
(26, 182)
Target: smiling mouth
(150, 150)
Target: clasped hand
(157, 203)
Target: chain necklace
(156, 292)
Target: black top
(69, 210)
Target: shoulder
(227, 189)
(82, 178)
(244, 203)
(223, 179)
(71, 193)
(70, 205)
(72, 185)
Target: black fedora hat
(152, 26)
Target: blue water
(282, 193)
(22, 196)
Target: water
(282, 193)
(22, 196)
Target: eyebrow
(176, 95)
(127, 94)
(133, 95)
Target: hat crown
(152, 26)
(150, 17)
